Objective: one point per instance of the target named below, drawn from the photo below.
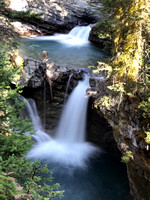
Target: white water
(78, 36)
(67, 88)
(71, 128)
(39, 134)
(69, 147)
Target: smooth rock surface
(58, 15)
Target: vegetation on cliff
(22, 15)
(129, 68)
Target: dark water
(104, 179)
(80, 56)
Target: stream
(72, 49)
(84, 171)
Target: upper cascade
(78, 36)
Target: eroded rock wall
(60, 15)
(125, 118)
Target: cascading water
(69, 146)
(68, 83)
(39, 135)
(44, 105)
(105, 178)
(71, 128)
(67, 154)
(78, 36)
(73, 49)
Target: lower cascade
(69, 146)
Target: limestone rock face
(33, 74)
(36, 71)
(18, 5)
(126, 120)
(60, 15)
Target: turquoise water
(62, 54)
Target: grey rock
(62, 16)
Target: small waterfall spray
(78, 36)
(68, 83)
(39, 135)
(44, 105)
(69, 146)
(71, 128)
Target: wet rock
(128, 128)
(7, 33)
(99, 131)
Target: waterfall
(39, 135)
(78, 36)
(81, 32)
(69, 147)
(68, 83)
(71, 128)
(44, 105)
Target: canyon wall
(59, 15)
(107, 111)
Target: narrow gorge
(85, 124)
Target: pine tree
(19, 177)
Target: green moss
(127, 157)
(104, 29)
(145, 108)
(103, 67)
(116, 130)
(147, 138)
(24, 15)
(105, 102)
(141, 135)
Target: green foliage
(104, 102)
(104, 28)
(19, 178)
(145, 108)
(147, 138)
(129, 21)
(104, 31)
(103, 67)
(127, 157)
(24, 15)
(118, 87)
(111, 6)
(2, 3)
